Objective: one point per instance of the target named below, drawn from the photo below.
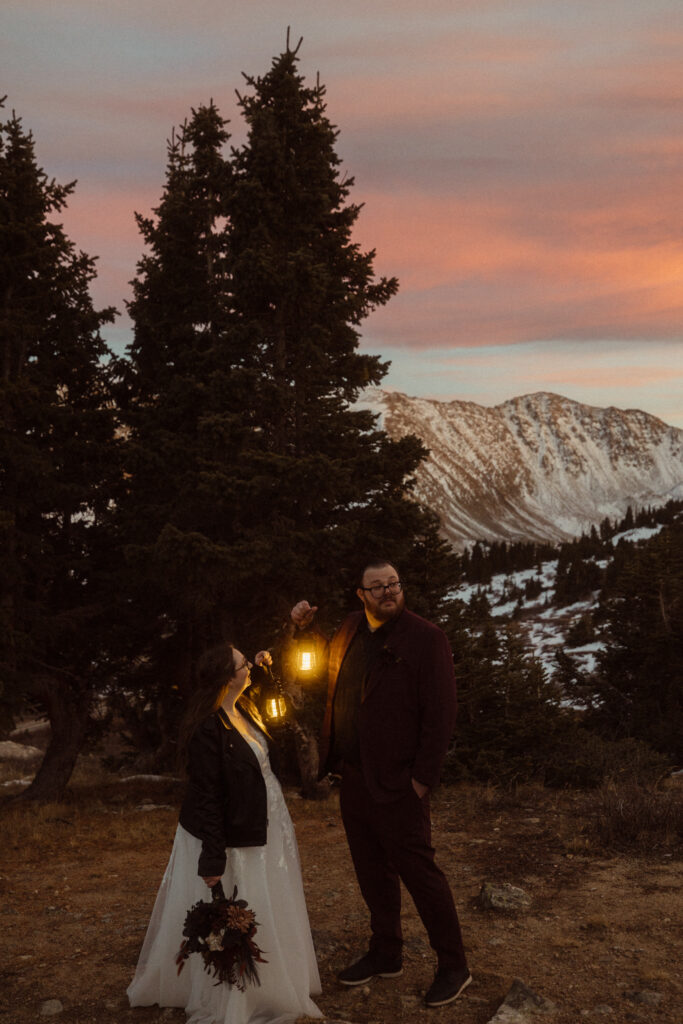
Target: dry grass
(79, 878)
(635, 817)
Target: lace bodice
(254, 738)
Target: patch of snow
(36, 725)
(587, 663)
(11, 751)
(580, 607)
(504, 609)
(149, 778)
(637, 534)
(591, 648)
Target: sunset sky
(521, 166)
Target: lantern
(274, 703)
(306, 656)
(276, 707)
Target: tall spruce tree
(327, 487)
(184, 404)
(59, 465)
(253, 480)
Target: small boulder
(521, 1006)
(503, 897)
(645, 998)
(51, 1007)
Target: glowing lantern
(276, 707)
(307, 659)
(272, 697)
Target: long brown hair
(215, 670)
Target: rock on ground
(51, 1007)
(503, 897)
(521, 1006)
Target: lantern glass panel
(275, 707)
(306, 660)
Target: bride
(234, 826)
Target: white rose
(215, 941)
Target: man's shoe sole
(451, 999)
(381, 974)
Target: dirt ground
(78, 880)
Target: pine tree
(253, 480)
(509, 714)
(185, 407)
(329, 488)
(606, 529)
(59, 465)
(639, 688)
(577, 575)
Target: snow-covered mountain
(539, 467)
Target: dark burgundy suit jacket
(408, 706)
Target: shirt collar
(382, 631)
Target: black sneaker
(448, 984)
(372, 965)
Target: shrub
(631, 816)
(585, 760)
(581, 631)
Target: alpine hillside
(539, 467)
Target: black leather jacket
(225, 802)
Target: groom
(389, 718)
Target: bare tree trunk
(69, 713)
(306, 747)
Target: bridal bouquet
(223, 933)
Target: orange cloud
(507, 275)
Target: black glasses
(379, 589)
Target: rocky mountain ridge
(539, 467)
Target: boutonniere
(389, 655)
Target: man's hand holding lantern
(302, 614)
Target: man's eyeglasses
(379, 589)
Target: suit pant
(391, 842)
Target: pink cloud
(521, 175)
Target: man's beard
(389, 610)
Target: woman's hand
(211, 881)
(263, 658)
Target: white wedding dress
(269, 878)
